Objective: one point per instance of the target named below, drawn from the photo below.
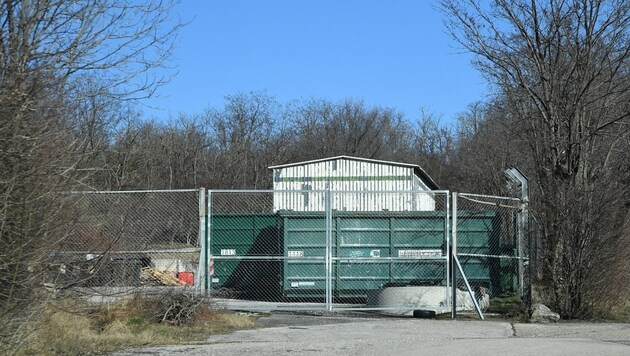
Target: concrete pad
(403, 336)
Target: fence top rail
(131, 191)
(441, 213)
(244, 191)
(464, 195)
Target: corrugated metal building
(359, 184)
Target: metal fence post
(202, 270)
(199, 276)
(525, 264)
(520, 228)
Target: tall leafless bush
(561, 68)
(49, 49)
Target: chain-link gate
(491, 245)
(329, 250)
(122, 241)
(390, 250)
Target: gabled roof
(417, 169)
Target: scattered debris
(150, 275)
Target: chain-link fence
(491, 244)
(295, 250)
(130, 239)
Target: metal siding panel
(359, 177)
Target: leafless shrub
(176, 307)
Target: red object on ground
(188, 277)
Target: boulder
(542, 314)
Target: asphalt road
(283, 334)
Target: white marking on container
(291, 253)
(420, 253)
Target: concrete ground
(282, 334)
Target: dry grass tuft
(72, 327)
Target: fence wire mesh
(245, 243)
(491, 244)
(301, 250)
(129, 239)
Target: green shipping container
(362, 244)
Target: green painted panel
(418, 224)
(361, 269)
(356, 288)
(475, 268)
(297, 223)
(368, 223)
(223, 270)
(305, 238)
(375, 236)
(473, 238)
(483, 224)
(305, 269)
(304, 279)
(227, 238)
(236, 235)
(363, 238)
(425, 239)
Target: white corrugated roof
(419, 171)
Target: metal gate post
(452, 257)
(329, 250)
(447, 241)
(209, 256)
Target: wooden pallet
(165, 278)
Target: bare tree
(48, 50)
(562, 67)
(242, 132)
(323, 129)
(433, 146)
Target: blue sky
(387, 53)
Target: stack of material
(156, 277)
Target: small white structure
(404, 300)
(357, 184)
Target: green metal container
(370, 250)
